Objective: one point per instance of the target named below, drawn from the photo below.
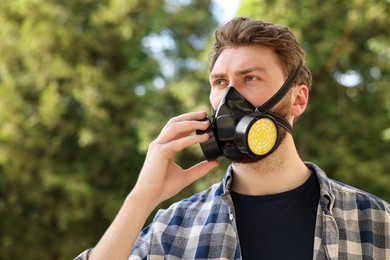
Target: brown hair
(243, 31)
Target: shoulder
(361, 216)
(358, 220)
(181, 230)
(198, 210)
(353, 198)
(198, 206)
(340, 197)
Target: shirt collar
(227, 180)
(327, 196)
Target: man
(270, 204)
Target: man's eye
(251, 78)
(220, 82)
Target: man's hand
(160, 177)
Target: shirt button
(231, 217)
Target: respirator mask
(237, 128)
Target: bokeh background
(85, 85)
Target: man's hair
(242, 31)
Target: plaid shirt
(351, 224)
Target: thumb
(199, 170)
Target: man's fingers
(182, 125)
(177, 130)
(188, 116)
(199, 170)
(182, 143)
(185, 142)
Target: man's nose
(235, 86)
(233, 83)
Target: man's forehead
(245, 59)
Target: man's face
(255, 71)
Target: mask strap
(282, 122)
(281, 92)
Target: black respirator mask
(238, 128)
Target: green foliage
(71, 122)
(344, 128)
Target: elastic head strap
(282, 122)
(281, 92)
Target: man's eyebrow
(217, 75)
(239, 72)
(250, 69)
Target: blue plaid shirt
(351, 224)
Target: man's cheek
(214, 100)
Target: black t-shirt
(279, 226)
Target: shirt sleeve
(147, 242)
(142, 245)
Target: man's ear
(300, 98)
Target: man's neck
(281, 171)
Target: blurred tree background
(86, 85)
